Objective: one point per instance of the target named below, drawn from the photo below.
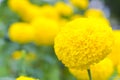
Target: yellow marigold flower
(100, 71)
(30, 12)
(17, 55)
(26, 10)
(21, 32)
(83, 42)
(18, 5)
(94, 13)
(83, 4)
(49, 12)
(45, 31)
(25, 78)
(63, 9)
(115, 54)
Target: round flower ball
(99, 71)
(49, 12)
(21, 5)
(45, 31)
(115, 54)
(21, 32)
(82, 4)
(83, 42)
(63, 9)
(94, 13)
(25, 78)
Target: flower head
(45, 31)
(49, 12)
(30, 12)
(83, 4)
(83, 42)
(18, 5)
(99, 71)
(25, 78)
(18, 54)
(115, 54)
(63, 9)
(21, 32)
(94, 13)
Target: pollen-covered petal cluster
(83, 42)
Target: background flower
(105, 67)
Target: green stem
(23, 65)
(89, 74)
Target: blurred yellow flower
(34, 11)
(45, 31)
(30, 12)
(115, 54)
(49, 12)
(94, 13)
(25, 78)
(17, 55)
(83, 42)
(76, 16)
(21, 32)
(63, 8)
(18, 5)
(82, 4)
(99, 71)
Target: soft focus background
(21, 53)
